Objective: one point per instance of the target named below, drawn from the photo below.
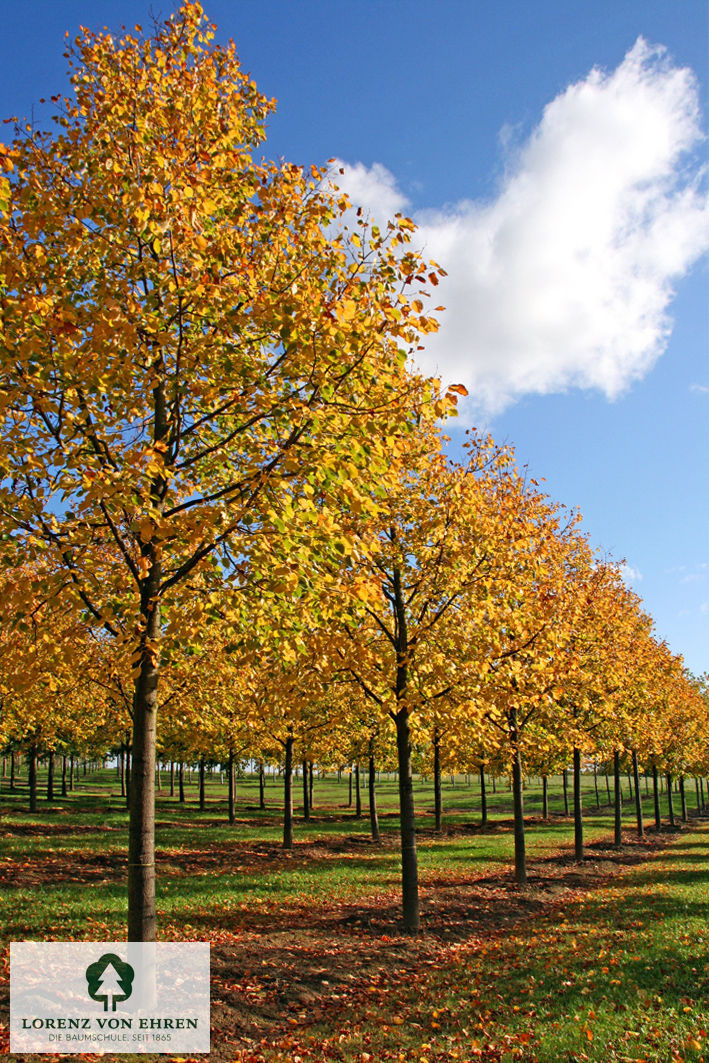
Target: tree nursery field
(286, 669)
(602, 960)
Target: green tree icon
(110, 979)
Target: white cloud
(565, 278)
(629, 574)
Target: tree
(431, 545)
(188, 337)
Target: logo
(110, 979)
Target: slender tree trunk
(141, 788)
(64, 793)
(494, 785)
(12, 770)
(518, 797)
(373, 818)
(656, 798)
(32, 777)
(262, 786)
(638, 798)
(483, 797)
(437, 789)
(128, 772)
(172, 778)
(181, 782)
(288, 795)
(595, 782)
(565, 786)
(699, 802)
(232, 787)
(618, 809)
(545, 796)
(630, 786)
(349, 799)
(578, 806)
(701, 790)
(409, 857)
(158, 778)
(122, 769)
(50, 776)
(608, 788)
(71, 773)
(201, 784)
(306, 791)
(670, 805)
(683, 799)
(311, 784)
(358, 792)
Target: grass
(603, 962)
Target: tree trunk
(578, 807)
(630, 786)
(494, 785)
(232, 787)
(50, 776)
(261, 786)
(64, 792)
(310, 784)
(172, 778)
(683, 799)
(638, 798)
(141, 788)
(181, 782)
(349, 799)
(201, 784)
(595, 782)
(518, 797)
(71, 772)
(409, 858)
(545, 796)
(373, 818)
(608, 788)
(12, 771)
(288, 795)
(483, 797)
(656, 798)
(618, 803)
(159, 778)
(670, 805)
(565, 785)
(358, 792)
(306, 791)
(437, 794)
(32, 777)
(128, 772)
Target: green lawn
(607, 961)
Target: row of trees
(224, 501)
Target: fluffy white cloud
(565, 278)
(629, 574)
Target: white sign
(109, 997)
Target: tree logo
(110, 979)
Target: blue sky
(583, 338)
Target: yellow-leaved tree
(183, 330)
